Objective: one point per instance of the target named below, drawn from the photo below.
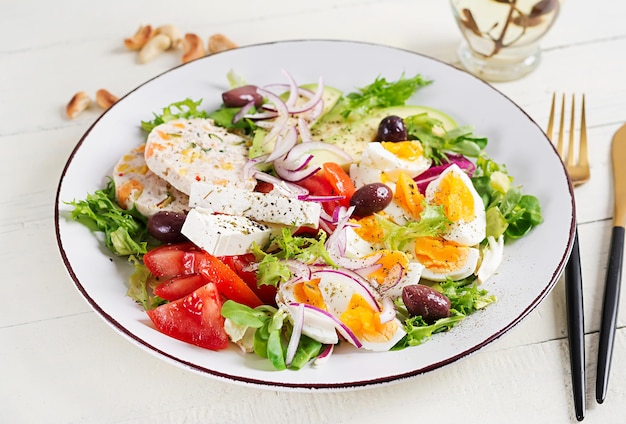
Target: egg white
(463, 270)
(377, 157)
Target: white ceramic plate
(530, 268)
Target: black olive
(241, 96)
(165, 226)
(391, 128)
(371, 198)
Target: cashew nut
(141, 37)
(79, 103)
(219, 42)
(174, 34)
(105, 99)
(154, 47)
(192, 47)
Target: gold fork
(578, 170)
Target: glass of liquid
(501, 37)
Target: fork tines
(575, 156)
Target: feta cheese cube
(224, 235)
(264, 207)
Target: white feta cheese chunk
(224, 235)
(264, 207)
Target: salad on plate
(296, 217)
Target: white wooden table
(60, 363)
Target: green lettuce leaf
(125, 230)
(186, 109)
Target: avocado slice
(354, 136)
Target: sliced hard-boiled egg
(392, 158)
(445, 259)
(461, 203)
(412, 275)
(340, 301)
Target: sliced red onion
(365, 270)
(243, 111)
(286, 188)
(285, 173)
(355, 280)
(299, 269)
(312, 198)
(304, 163)
(261, 115)
(284, 143)
(298, 323)
(322, 358)
(249, 168)
(425, 178)
(304, 130)
(293, 90)
(281, 109)
(342, 328)
(317, 98)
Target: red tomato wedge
(339, 180)
(194, 319)
(186, 259)
(179, 286)
(227, 281)
(238, 263)
(171, 259)
(331, 180)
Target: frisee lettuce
(436, 141)
(125, 231)
(465, 299)
(272, 268)
(432, 223)
(379, 94)
(186, 109)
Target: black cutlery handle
(576, 327)
(609, 312)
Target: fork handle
(609, 311)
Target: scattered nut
(174, 34)
(105, 99)
(141, 37)
(79, 103)
(219, 42)
(192, 47)
(154, 47)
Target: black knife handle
(576, 327)
(609, 312)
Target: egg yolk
(392, 265)
(455, 197)
(409, 150)
(309, 292)
(369, 230)
(365, 323)
(440, 255)
(408, 196)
